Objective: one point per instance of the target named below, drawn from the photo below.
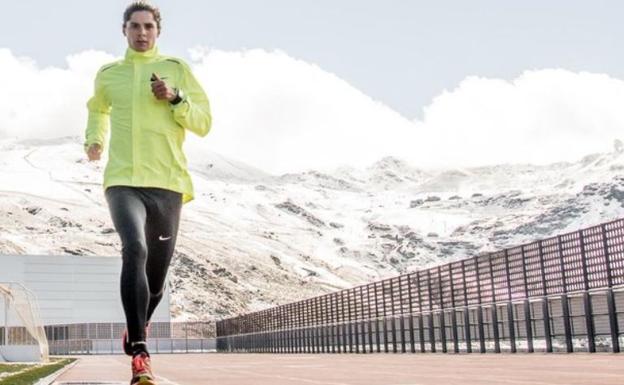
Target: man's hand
(161, 90)
(94, 152)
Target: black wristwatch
(179, 97)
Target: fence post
(565, 304)
(392, 317)
(320, 342)
(287, 328)
(292, 315)
(363, 322)
(370, 320)
(587, 304)
(385, 316)
(344, 324)
(466, 310)
(442, 318)
(284, 331)
(421, 325)
(306, 329)
(402, 314)
(613, 321)
(278, 329)
(567, 327)
(589, 316)
(272, 330)
(353, 314)
(453, 312)
(328, 323)
(410, 298)
(527, 305)
(547, 333)
(510, 313)
(481, 329)
(300, 334)
(512, 323)
(442, 330)
(431, 315)
(312, 326)
(335, 326)
(338, 325)
(348, 324)
(494, 308)
(352, 327)
(545, 307)
(479, 309)
(291, 328)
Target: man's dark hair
(141, 6)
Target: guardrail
(105, 338)
(557, 294)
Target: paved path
(353, 369)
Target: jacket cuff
(181, 108)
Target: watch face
(179, 97)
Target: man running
(150, 101)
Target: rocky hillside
(251, 240)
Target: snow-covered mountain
(251, 240)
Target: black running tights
(147, 221)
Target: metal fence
(558, 294)
(105, 338)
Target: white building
(73, 289)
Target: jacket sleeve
(193, 112)
(99, 116)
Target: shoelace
(138, 363)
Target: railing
(105, 338)
(557, 294)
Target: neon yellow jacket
(146, 134)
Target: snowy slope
(251, 240)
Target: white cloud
(49, 102)
(540, 117)
(274, 112)
(281, 114)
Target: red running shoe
(142, 370)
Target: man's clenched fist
(94, 152)
(161, 90)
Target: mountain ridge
(252, 240)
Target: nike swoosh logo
(161, 238)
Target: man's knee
(134, 251)
(157, 295)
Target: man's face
(141, 31)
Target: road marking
(169, 382)
(89, 383)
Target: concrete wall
(20, 353)
(72, 289)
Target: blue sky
(400, 52)
(318, 84)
